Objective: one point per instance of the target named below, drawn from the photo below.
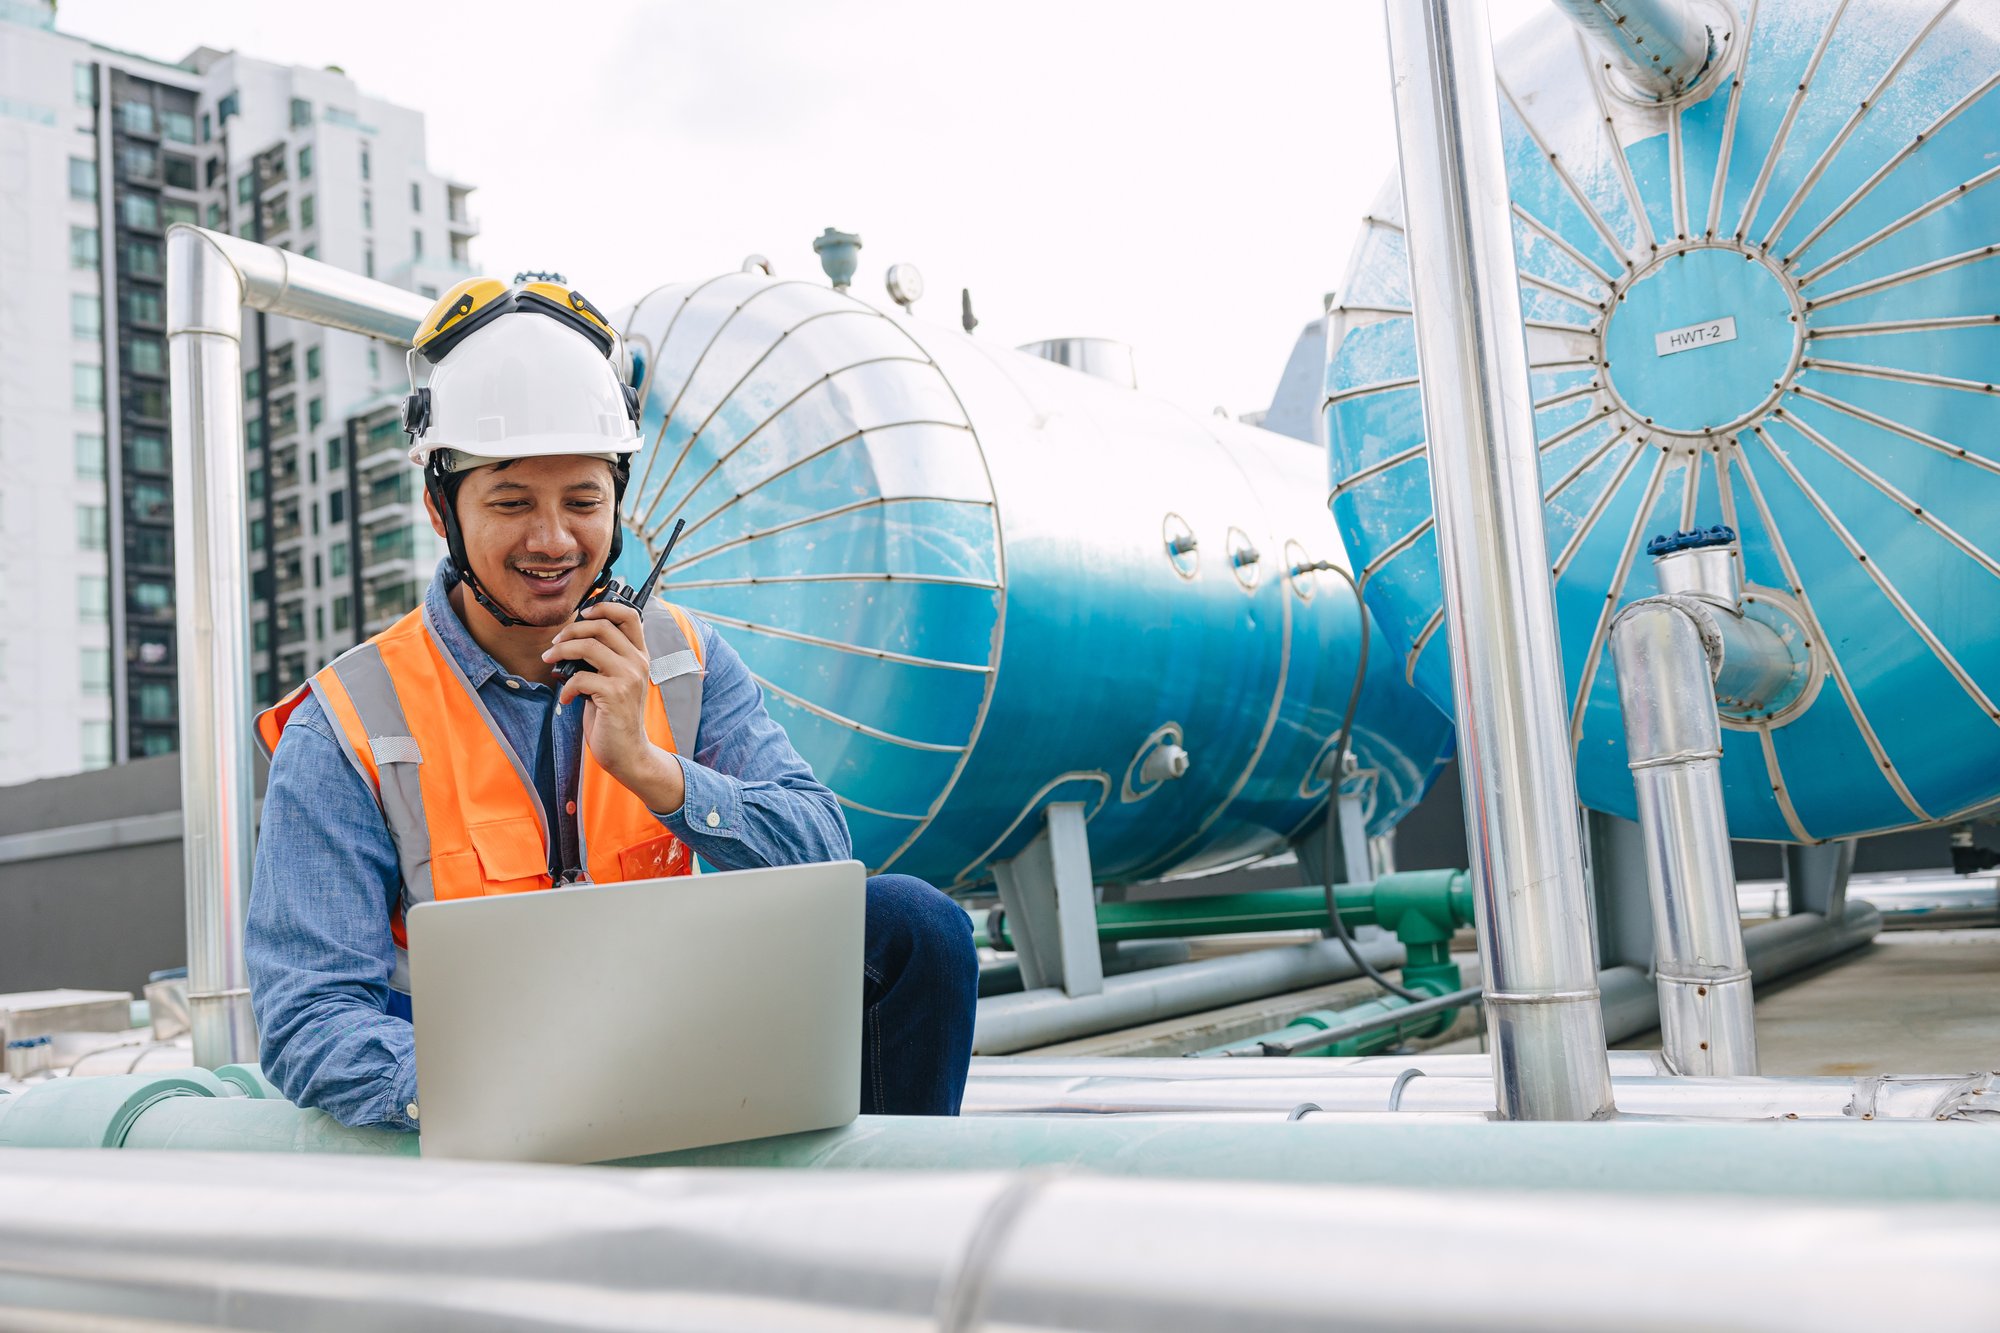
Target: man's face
(535, 532)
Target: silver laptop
(610, 1021)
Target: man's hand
(612, 638)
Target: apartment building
(100, 152)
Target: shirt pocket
(511, 856)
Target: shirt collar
(477, 664)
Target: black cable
(1339, 764)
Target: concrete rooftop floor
(1912, 1002)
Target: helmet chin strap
(454, 540)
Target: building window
(253, 382)
(364, 162)
(87, 388)
(89, 456)
(135, 117)
(207, 128)
(82, 178)
(142, 305)
(156, 701)
(312, 363)
(336, 454)
(336, 560)
(215, 217)
(152, 596)
(96, 744)
(246, 187)
(142, 258)
(139, 162)
(84, 79)
(140, 210)
(148, 401)
(310, 250)
(92, 530)
(305, 210)
(306, 163)
(343, 607)
(367, 211)
(151, 546)
(417, 244)
(302, 113)
(230, 105)
(152, 502)
(148, 451)
(253, 432)
(93, 597)
(83, 251)
(146, 356)
(416, 197)
(336, 507)
(368, 260)
(257, 531)
(315, 413)
(319, 620)
(173, 210)
(94, 671)
(156, 743)
(86, 316)
(179, 172)
(177, 125)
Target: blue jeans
(920, 985)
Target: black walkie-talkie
(615, 591)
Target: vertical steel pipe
(210, 279)
(1673, 743)
(1522, 821)
(212, 622)
(1660, 47)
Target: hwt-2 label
(1695, 335)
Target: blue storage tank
(952, 568)
(1773, 304)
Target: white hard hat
(504, 385)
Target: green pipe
(96, 1112)
(249, 1080)
(1432, 904)
(190, 1109)
(1801, 1159)
(1807, 1159)
(247, 1124)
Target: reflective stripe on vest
(459, 804)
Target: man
(447, 757)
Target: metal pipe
(1041, 1017)
(211, 278)
(1678, 656)
(1673, 743)
(164, 1239)
(1660, 47)
(1921, 1098)
(211, 579)
(1533, 898)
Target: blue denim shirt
(317, 942)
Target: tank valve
(1244, 556)
(1165, 762)
(1182, 542)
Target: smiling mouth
(548, 576)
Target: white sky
(1186, 177)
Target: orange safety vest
(460, 805)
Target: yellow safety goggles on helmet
(476, 302)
